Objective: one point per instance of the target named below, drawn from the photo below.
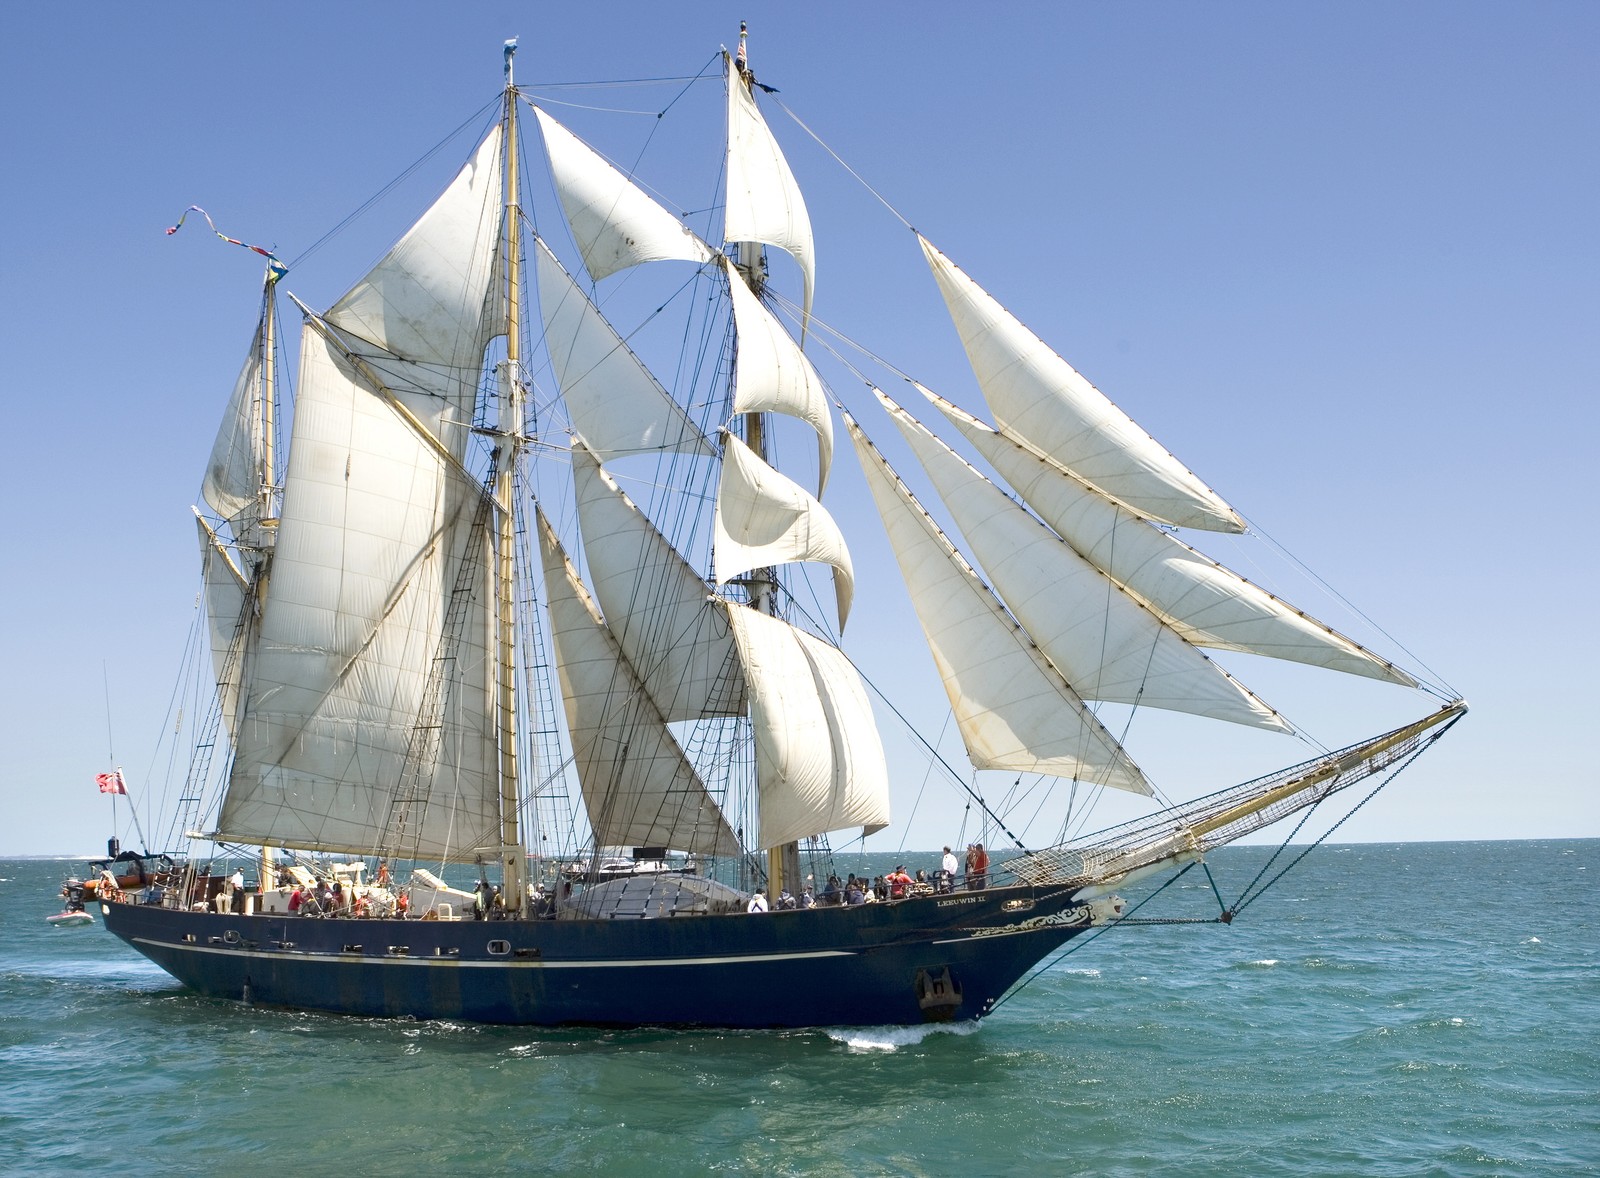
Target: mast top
(741, 59)
(510, 52)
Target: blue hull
(927, 959)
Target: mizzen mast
(269, 397)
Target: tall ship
(528, 699)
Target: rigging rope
(476, 116)
(1246, 898)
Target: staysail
(1014, 709)
(638, 787)
(1208, 604)
(672, 631)
(1042, 401)
(1103, 641)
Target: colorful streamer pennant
(274, 267)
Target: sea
(1414, 1009)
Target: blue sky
(1342, 259)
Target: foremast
(783, 861)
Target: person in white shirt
(949, 865)
(758, 903)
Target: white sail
(671, 629)
(772, 374)
(1039, 399)
(819, 760)
(638, 787)
(342, 745)
(228, 626)
(424, 307)
(614, 403)
(1014, 709)
(764, 202)
(614, 223)
(764, 518)
(1205, 602)
(232, 483)
(1104, 642)
(375, 527)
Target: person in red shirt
(977, 867)
(899, 883)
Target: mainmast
(513, 858)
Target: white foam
(894, 1038)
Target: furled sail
(232, 483)
(764, 202)
(672, 631)
(375, 529)
(1041, 400)
(1205, 602)
(764, 518)
(819, 760)
(614, 403)
(227, 590)
(614, 223)
(1104, 642)
(1014, 709)
(772, 374)
(638, 787)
